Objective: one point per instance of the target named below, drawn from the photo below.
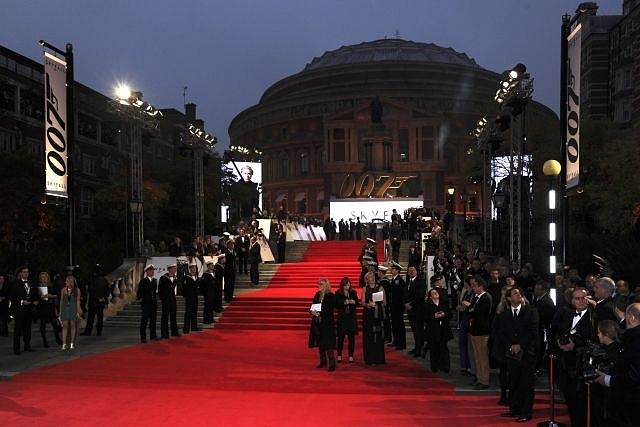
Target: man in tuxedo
(254, 261)
(603, 308)
(229, 271)
(414, 304)
(99, 292)
(148, 295)
(167, 291)
(495, 285)
(243, 244)
(218, 282)
(24, 297)
(480, 309)
(397, 297)
(518, 329)
(207, 288)
(543, 303)
(395, 235)
(189, 290)
(573, 330)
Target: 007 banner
(573, 108)
(55, 105)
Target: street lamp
(552, 169)
(139, 114)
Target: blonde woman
(69, 310)
(47, 308)
(322, 333)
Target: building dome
(390, 50)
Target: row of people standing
(210, 285)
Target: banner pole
(70, 146)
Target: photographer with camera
(602, 359)
(624, 380)
(574, 331)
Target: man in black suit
(480, 309)
(518, 330)
(189, 290)
(148, 295)
(414, 304)
(546, 310)
(573, 330)
(603, 307)
(254, 261)
(281, 243)
(397, 297)
(243, 244)
(395, 235)
(167, 291)
(99, 292)
(24, 297)
(624, 380)
(218, 282)
(207, 288)
(229, 271)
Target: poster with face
(247, 190)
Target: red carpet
(253, 369)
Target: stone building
(357, 118)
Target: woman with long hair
(437, 315)
(372, 324)
(47, 308)
(346, 303)
(322, 333)
(69, 310)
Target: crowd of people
(508, 319)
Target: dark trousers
(327, 358)
(463, 345)
(281, 249)
(439, 356)
(4, 318)
(417, 328)
(521, 385)
(168, 314)
(43, 329)
(22, 320)
(255, 274)
(352, 343)
(386, 324)
(242, 262)
(217, 297)
(398, 329)
(190, 316)
(575, 396)
(149, 312)
(395, 251)
(543, 349)
(229, 285)
(95, 311)
(207, 313)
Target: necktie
(578, 314)
(515, 313)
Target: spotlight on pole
(552, 169)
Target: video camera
(594, 359)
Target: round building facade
(383, 119)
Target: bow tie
(578, 314)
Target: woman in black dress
(47, 308)
(372, 325)
(346, 303)
(437, 315)
(322, 333)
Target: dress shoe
(85, 334)
(523, 418)
(481, 387)
(503, 402)
(45, 345)
(509, 415)
(322, 365)
(465, 373)
(29, 349)
(196, 329)
(176, 335)
(17, 352)
(143, 341)
(331, 368)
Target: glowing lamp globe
(551, 168)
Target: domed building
(386, 119)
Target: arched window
(304, 163)
(284, 165)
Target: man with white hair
(603, 308)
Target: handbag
(514, 356)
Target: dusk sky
(229, 52)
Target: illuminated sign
(369, 209)
(370, 185)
